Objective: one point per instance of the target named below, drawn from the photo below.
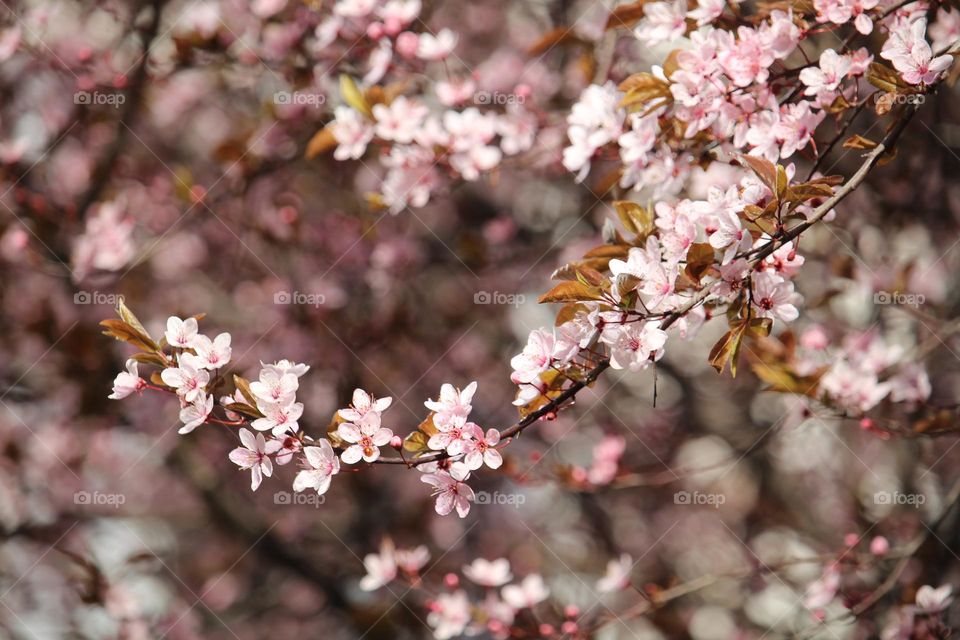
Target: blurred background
(144, 154)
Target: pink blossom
(352, 133)
(320, 465)
(274, 387)
(637, 345)
(450, 490)
(822, 591)
(188, 379)
(482, 448)
(452, 402)
(773, 297)
(436, 47)
(181, 333)
(535, 357)
(365, 438)
(381, 567)
(449, 615)
(212, 354)
(907, 49)
(364, 403)
(662, 22)
(930, 600)
(195, 413)
(254, 455)
(489, 573)
(282, 367)
(617, 576)
(127, 382)
(826, 78)
(527, 594)
(400, 120)
(279, 418)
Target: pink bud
(393, 26)
(569, 627)
(451, 580)
(546, 629)
(407, 43)
(375, 31)
(571, 611)
(867, 424)
(523, 90)
(879, 546)
(851, 539)
(396, 442)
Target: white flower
(617, 576)
(489, 573)
(195, 413)
(320, 465)
(254, 455)
(127, 382)
(180, 333)
(528, 593)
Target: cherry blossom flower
(449, 615)
(400, 120)
(181, 333)
(254, 455)
(527, 594)
(535, 357)
(606, 460)
(365, 437)
(188, 379)
(662, 22)
(489, 573)
(773, 297)
(275, 387)
(279, 418)
(364, 403)
(320, 465)
(212, 354)
(827, 77)
(907, 49)
(823, 590)
(617, 576)
(452, 436)
(436, 47)
(282, 367)
(289, 446)
(450, 490)
(352, 133)
(412, 560)
(127, 382)
(381, 567)
(636, 345)
(930, 600)
(452, 403)
(195, 413)
(481, 449)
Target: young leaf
(352, 95)
(244, 386)
(571, 291)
